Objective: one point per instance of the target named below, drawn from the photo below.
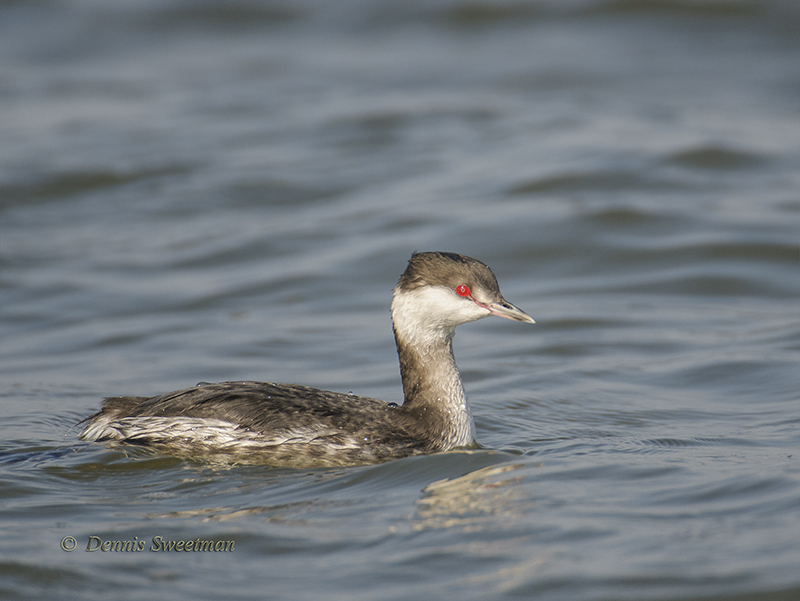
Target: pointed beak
(505, 309)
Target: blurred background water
(207, 190)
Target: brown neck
(433, 390)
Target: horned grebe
(295, 425)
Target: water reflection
(470, 501)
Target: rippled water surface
(218, 191)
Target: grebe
(295, 425)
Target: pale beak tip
(509, 311)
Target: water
(215, 191)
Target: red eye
(463, 290)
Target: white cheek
(432, 308)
